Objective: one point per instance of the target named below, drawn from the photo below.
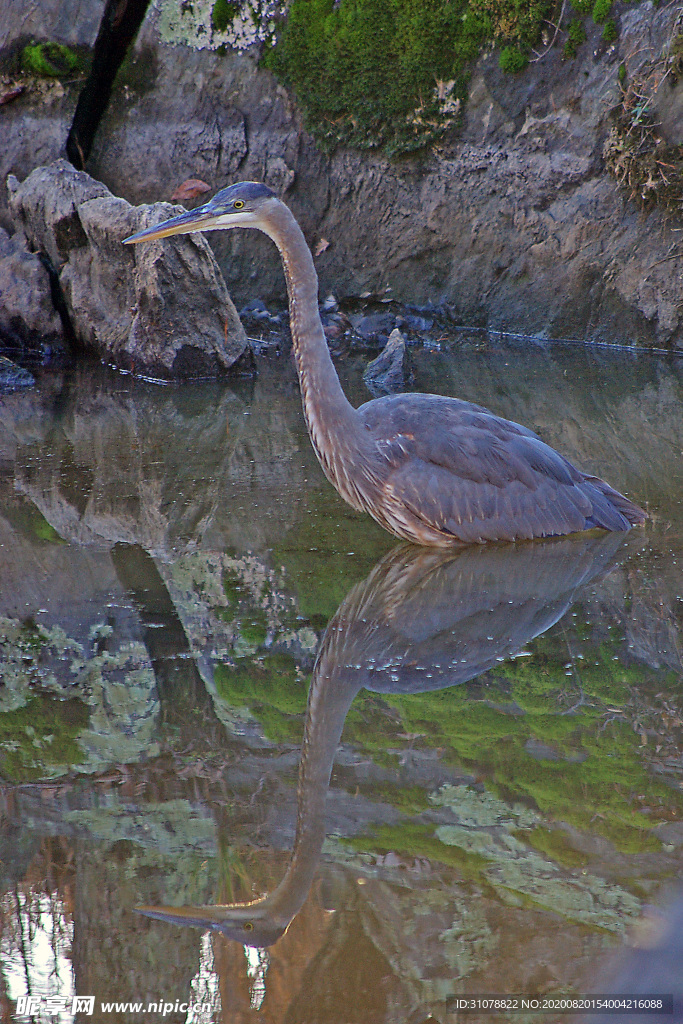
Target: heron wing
(461, 470)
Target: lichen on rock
(211, 24)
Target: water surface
(505, 803)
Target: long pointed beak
(201, 219)
(200, 917)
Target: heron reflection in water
(429, 469)
(422, 620)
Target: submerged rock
(390, 371)
(161, 308)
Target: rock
(27, 315)
(74, 22)
(390, 371)
(514, 221)
(373, 325)
(13, 377)
(161, 308)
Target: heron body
(429, 469)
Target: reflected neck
(329, 700)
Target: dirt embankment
(514, 220)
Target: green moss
(582, 6)
(601, 9)
(512, 60)
(621, 74)
(391, 73)
(40, 739)
(222, 14)
(408, 799)
(233, 588)
(576, 34)
(271, 689)
(49, 60)
(609, 32)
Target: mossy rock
(601, 9)
(576, 35)
(49, 60)
(392, 73)
(512, 60)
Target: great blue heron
(429, 469)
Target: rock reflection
(422, 620)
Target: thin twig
(552, 41)
(676, 256)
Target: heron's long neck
(329, 700)
(331, 420)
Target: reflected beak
(200, 917)
(201, 219)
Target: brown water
(506, 801)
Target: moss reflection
(272, 688)
(328, 552)
(39, 739)
(565, 744)
(573, 753)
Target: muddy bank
(513, 221)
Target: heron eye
(248, 926)
(238, 204)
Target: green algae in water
(407, 799)
(553, 843)
(31, 523)
(590, 782)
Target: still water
(490, 796)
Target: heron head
(251, 924)
(243, 205)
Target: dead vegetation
(648, 168)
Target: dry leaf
(321, 246)
(190, 189)
(12, 94)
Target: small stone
(373, 325)
(390, 371)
